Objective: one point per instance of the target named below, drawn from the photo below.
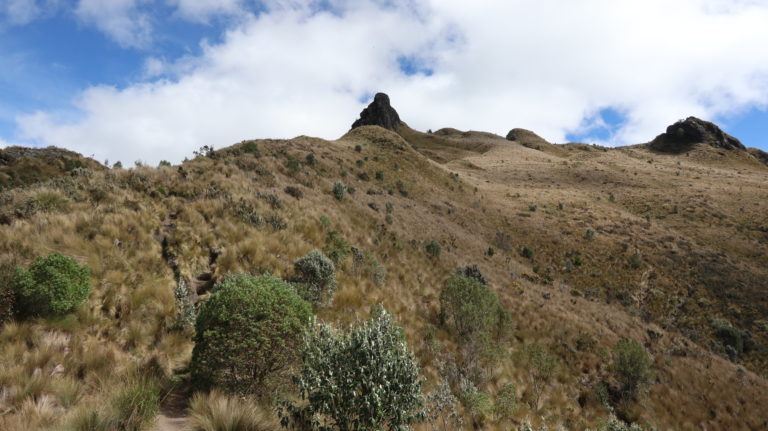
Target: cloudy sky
(156, 79)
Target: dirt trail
(173, 410)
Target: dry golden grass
(115, 221)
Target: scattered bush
(164, 163)
(390, 207)
(276, 222)
(338, 191)
(294, 191)
(246, 333)
(250, 147)
(472, 271)
(433, 249)
(526, 252)
(325, 221)
(216, 411)
(380, 175)
(401, 188)
(631, 366)
(478, 404)
(613, 424)
(358, 148)
(246, 212)
(315, 277)
(469, 307)
(731, 337)
(336, 247)
(541, 365)
(364, 378)
(53, 285)
(311, 159)
(506, 403)
(185, 310)
(442, 405)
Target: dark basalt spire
(379, 113)
(682, 135)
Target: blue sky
(156, 79)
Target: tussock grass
(115, 221)
(216, 411)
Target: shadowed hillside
(583, 246)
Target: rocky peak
(682, 135)
(379, 113)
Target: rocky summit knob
(379, 113)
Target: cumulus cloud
(122, 20)
(303, 67)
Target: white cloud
(549, 66)
(122, 20)
(21, 12)
(203, 10)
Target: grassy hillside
(583, 247)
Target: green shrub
(364, 378)
(732, 338)
(246, 333)
(541, 365)
(358, 148)
(474, 314)
(631, 366)
(380, 175)
(338, 190)
(433, 248)
(164, 163)
(505, 403)
(526, 252)
(478, 404)
(336, 247)
(311, 159)
(250, 147)
(53, 285)
(614, 424)
(315, 277)
(442, 405)
(469, 307)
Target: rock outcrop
(379, 113)
(759, 154)
(684, 134)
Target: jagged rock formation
(759, 154)
(379, 113)
(682, 135)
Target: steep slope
(648, 271)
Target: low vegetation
(247, 333)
